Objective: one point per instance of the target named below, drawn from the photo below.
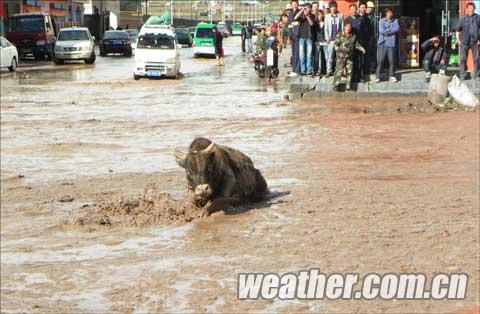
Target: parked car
(223, 29)
(183, 37)
(8, 54)
(32, 34)
(157, 54)
(236, 29)
(116, 42)
(133, 33)
(74, 44)
(203, 43)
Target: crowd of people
(324, 43)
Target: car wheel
(128, 53)
(92, 58)
(57, 61)
(13, 66)
(136, 77)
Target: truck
(32, 34)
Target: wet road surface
(95, 119)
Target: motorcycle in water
(266, 62)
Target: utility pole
(210, 12)
(101, 19)
(223, 6)
(171, 12)
(139, 4)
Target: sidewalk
(410, 82)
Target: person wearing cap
(370, 8)
(333, 27)
(436, 57)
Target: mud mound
(151, 208)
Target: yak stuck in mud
(220, 176)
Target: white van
(157, 53)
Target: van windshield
(152, 41)
(204, 33)
(26, 24)
(72, 35)
(115, 35)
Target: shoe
(393, 79)
(348, 87)
(328, 75)
(318, 74)
(377, 80)
(335, 88)
(292, 74)
(427, 80)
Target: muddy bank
(418, 104)
(151, 208)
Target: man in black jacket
(244, 34)
(293, 27)
(468, 34)
(436, 58)
(359, 29)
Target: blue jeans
(249, 45)
(306, 64)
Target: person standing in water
(218, 42)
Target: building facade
(65, 12)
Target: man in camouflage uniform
(345, 47)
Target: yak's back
(243, 169)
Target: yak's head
(203, 173)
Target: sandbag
(460, 92)
(438, 89)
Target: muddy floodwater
(359, 187)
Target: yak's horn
(209, 149)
